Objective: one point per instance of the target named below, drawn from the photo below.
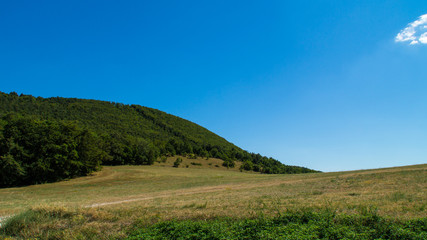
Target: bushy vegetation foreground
(304, 224)
(65, 137)
(296, 225)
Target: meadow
(122, 201)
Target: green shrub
(177, 162)
(248, 166)
(228, 164)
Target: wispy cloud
(415, 32)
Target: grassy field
(115, 200)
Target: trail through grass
(112, 201)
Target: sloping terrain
(47, 133)
(116, 198)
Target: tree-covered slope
(125, 134)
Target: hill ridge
(108, 133)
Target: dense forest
(49, 139)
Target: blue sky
(324, 84)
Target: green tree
(11, 172)
(37, 151)
(247, 165)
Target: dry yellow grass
(116, 197)
(163, 190)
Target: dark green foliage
(10, 171)
(37, 151)
(292, 225)
(129, 134)
(177, 162)
(228, 164)
(248, 166)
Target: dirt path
(225, 187)
(198, 190)
(181, 192)
(167, 194)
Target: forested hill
(118, 134)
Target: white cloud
(415, 32)
(423, 38)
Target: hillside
(51, 134)
(115, 201)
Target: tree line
(36, 151)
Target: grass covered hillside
(56, 136)
(161, 202)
